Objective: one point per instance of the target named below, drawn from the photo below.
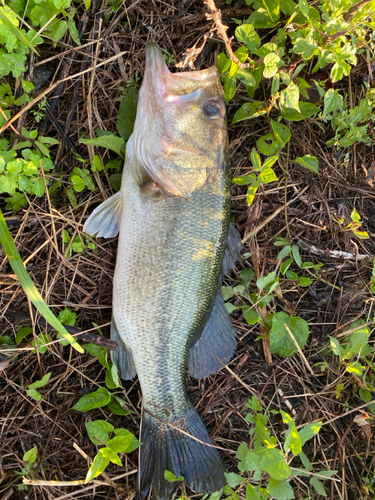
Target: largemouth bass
(173, 218)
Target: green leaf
(246, 34)
(116, 406)
(230, 86)
(335, 346)
(290, 97)
(255, 160)
(233, 479)
(31, 455)
(280, 490)
(284, 252)
(309, 162)
(293, 440)
(318, 486)
(112, 142)
(96, 399)
(272, 63)
(309, 431)
(355, 216)
(22, 333)
(100, 352)
(41, 383)
(121, 444)
(247, 111)
(98, 466)
(6, 18)
(306, 46)
(267, 175)
(78, 183)
(273, 462)
(42, 340)
(307, 109)
(296, 255)
(115, 180)
(251, 316)
(100, 429)
(268, 145)
(333, 101)
(291, 275)
(365, 395)
(27, 284)
(252, 492)
(282, 132)
(246, 276)
(223, 63)
(280, 340)
(356, 368)
(266, 281)
(33, 393)
(127, 113)
(171, 478)
(305, 461)
(305, 282)
(67, 317)
(97, 165)
(134, 442)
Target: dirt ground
(83, 283)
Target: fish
(172, 215)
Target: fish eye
(212, 109)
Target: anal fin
(105, 219)
(216, 345)
(122, 356)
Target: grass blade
(28, 285)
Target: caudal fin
(166, 448)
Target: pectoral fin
(122, 356)
(216, 345)
(105, 218)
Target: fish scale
(173, 218)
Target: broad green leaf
(99, 429)
(244, 179)
(333, 101)
(359, 342)
(121, 444)
(305, 282)
(233, 479)
(307, 109)
(291, 275)
(223, 63)
(242, 53)
(282, 132)
(116, 406)
(6, 18)
(284, 252)
(246, 34)
(305, 461)
(306, 46)
(365, 395)
(78, 183)
(290, 97)
(280, 341)
(97, 165)
(96, 399)
(280, 490)
(293, 440)
(127, 113)
(273, 9)
(268, 145)
(252, 492)
(266, 281)
(41, 383)
(356, 368)
(309, 431)
(216, 495)
(270, 161)
(355, 216)
(22, 333)
(171, 478)
(31, 455)
(267, 175)
(271, 65)
(134, 444)
(98, 466)
(246, 276)
(28, 286)
(304, 7)
(363, 235)
(230, 307)
(273, 462)
(100, 352)
(251, 316)
(309, 162)
(246, 77)
(247, 111)
(112, 142)
(33, 393)
(227, 292)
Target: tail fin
(166, 448)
